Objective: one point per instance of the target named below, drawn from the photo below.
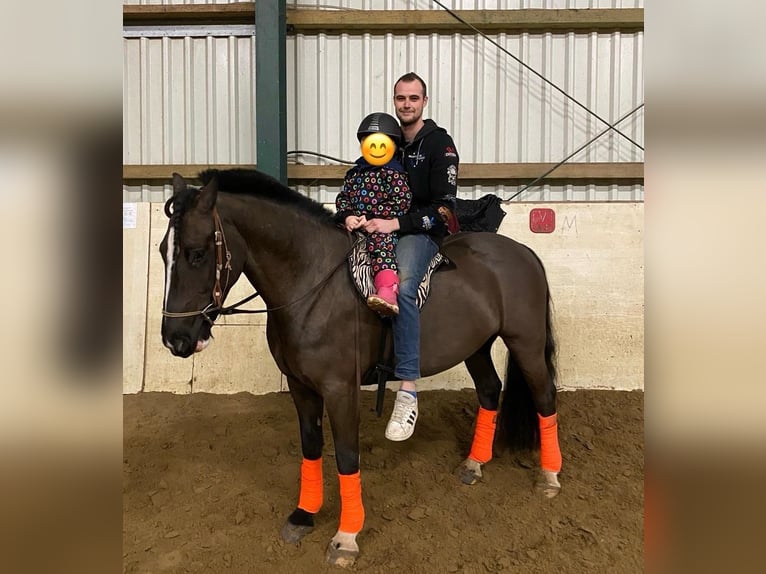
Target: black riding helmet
(380, 122)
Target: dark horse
(322, 335)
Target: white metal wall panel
(421, 4)
(496, 110)
(191, 99)
(177, 2)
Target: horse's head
(198, 270)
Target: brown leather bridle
(222, 262)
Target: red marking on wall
(542, 220)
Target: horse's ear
(179, 183)
(208, 195)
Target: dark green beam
(271, 88)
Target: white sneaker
(401, 425)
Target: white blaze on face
(169, 262)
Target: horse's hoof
(342, 550)
(294, 533)
(548, 484)
(470, 471)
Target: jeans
(413, 254)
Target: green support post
(271, 88)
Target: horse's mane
(259, 184)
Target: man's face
(409, 102)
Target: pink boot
(387, 286)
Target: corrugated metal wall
(421, 4)
(190, 99)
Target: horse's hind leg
(488, 387)
(531, 375)
(310, 406)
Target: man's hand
(355, 222)
(381, 225)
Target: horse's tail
(519, 426)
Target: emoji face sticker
(378, 148)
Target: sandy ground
(210, 479)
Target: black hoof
(299, 524)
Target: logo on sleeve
(452, 175)
(450, 152)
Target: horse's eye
(196, 256)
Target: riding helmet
(380, 122)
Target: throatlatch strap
(311, 496)
(483, 436)
(351, 507)
(550, 454)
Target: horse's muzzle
(184, 347)
(184, 339)
(181, 346)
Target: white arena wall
(595, 265)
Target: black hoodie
(431, 161)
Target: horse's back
(497, 254)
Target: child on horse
(377, 187)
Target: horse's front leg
(343, 411)
(310, 406)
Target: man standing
(431, 160)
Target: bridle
(223, 262)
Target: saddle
(361, 271)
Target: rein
(232, 309)
(223, 261)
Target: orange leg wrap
(351, 507)
(483, 436)
(311, 485)
(550, 454)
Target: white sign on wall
(128, 215)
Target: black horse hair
(258, 184)
(180, 202)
